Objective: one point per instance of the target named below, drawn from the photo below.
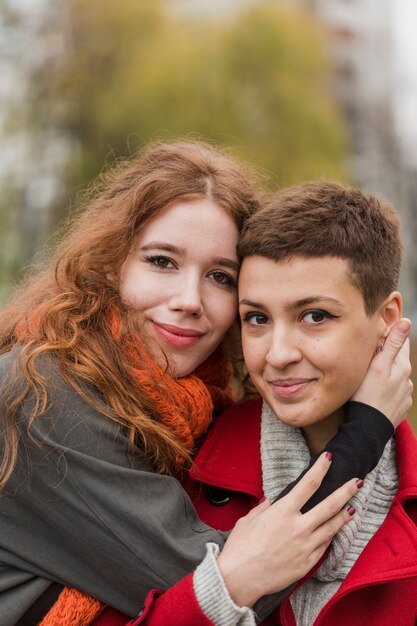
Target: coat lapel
(230, 457)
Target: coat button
(218, 496)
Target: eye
(316, 317)
(255, 318)
(223, 278)
(160, 261)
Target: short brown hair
(321, 218)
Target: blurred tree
(32, 154)
(132, 71)
(284, 110)
(113, 75)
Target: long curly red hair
(65, 308)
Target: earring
(380, 347)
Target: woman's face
(306, 336)
(180, 276)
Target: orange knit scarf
(195, 397)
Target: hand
(387, 385)
(275, 544)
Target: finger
(262, 506)
(326, 510)
(403, 356)
(395, 341)
(308, 484)
(324, 534)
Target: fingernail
(329, 456)
(359, 483)
(261, 500)
(351, 510)
(404, 326)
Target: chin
(298, 417)
(179, 370)
(295, 422)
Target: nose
(284, 348)
(187, 296)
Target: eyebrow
(167, 247)
(298, 304)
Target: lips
(288, 387)
(177, 336)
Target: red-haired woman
(115, 358)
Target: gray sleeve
(80, 511)
(213, 595)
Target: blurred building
(364, 41)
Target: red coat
(381, 588)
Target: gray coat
(81, 511)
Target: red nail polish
(329, 455)
(261, 500)
(351, 510)
(359, 483)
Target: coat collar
(230, 457)
(392, 551)
(406, 458)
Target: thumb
(396, 339)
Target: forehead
(191, 222)
(298, 278)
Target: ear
(390, 311)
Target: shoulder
(237, 428)
(230, 456)
(241, 415)
(12, 362)
(73, 420)
(8, 362)
(406, 447)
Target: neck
(319, 434)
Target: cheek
(254, 352)
(138, 290)
(128, 284)
(349, 354)
(127, 293)
(351, 371)
(224, 313)
(361, 350)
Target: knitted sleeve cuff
(213, 596)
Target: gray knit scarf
(284, 454)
